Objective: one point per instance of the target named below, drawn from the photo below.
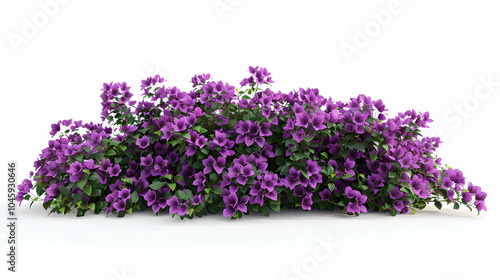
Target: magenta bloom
(114, 171)
(180, 124)
(142, 142)
(150, 197)
(220, 139)
(219, 164)
(302, 119)
(299, 135)
(177, 207)
(318, 121)
(208, 163)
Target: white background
(428, 56)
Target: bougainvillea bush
(218, 148)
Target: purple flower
(147, 160)
(447, 183)
(124, 194)
(254, 129)
(395, 193)
(52, 192)
(75, 168)
(114, 170)
(306, 203)
(298, 135)
(142, 142)
(359, 118)
(208, 163)
(398, 205)
(420, 187)
(119, 205)
(233, 205)
(242, 127)
(201, 141)
(89, 164)
(467, 197)
(150, 197)
(179, 124)
(318, 121)
(480, 206)
(240, 172)
(220, 139)
(312, 167)
(450, 193)
(219, 164)
(406, 161)
(177, 207)
(325, 195)
(199, 181)
(302, 119)
(265, 129)
(197, 199)
(355, 208)
(290, 125)
(292, 179)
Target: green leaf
(264, 210)
(64, 191)
(359, 147)
(178, 178)
(232, 122)
(81, 184)
(182, 195)
(96, 192)
(305, 173)
(438, 205)
(373, 157)
(346, 176)
(331, 186)
(275, 205)
(405, 185)
(186, 135)
(94, 176)
(91, 206)
(190, 211)
(197, 128)
(127, 180)
(213, 177)
(87, 190)
(156, 185)
(134, 196)
(98, 156)
(393, 211)
(308, 138)
(456, 205)
(344, 153)
(330, 170)
(110, 153)
(172, 186)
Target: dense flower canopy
(217, 148)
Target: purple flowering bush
(219, 148)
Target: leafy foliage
(219, 148)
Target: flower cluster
(217, 148)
